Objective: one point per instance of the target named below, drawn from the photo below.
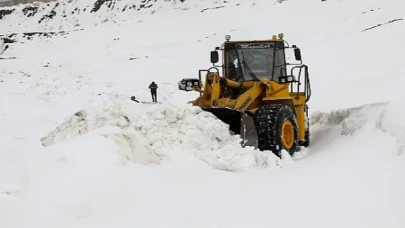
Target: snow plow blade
(239, 123)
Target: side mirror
(297, 53)
(214, 57)
(187, 84)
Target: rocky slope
(71, 14)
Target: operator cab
(245, 61)
(250, 61)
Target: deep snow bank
(385, 117)
(156, 133)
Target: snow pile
(391, 121)
(153, 133)
(366, 118)
(350, 120)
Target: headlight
(286, 79)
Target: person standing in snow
(153, 90)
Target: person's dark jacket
(153, 87)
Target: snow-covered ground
(76, 152)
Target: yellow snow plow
(254, 94)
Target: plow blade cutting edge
(239, 123)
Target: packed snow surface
(77, 152)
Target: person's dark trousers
(154, 96)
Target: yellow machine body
(236, 102)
